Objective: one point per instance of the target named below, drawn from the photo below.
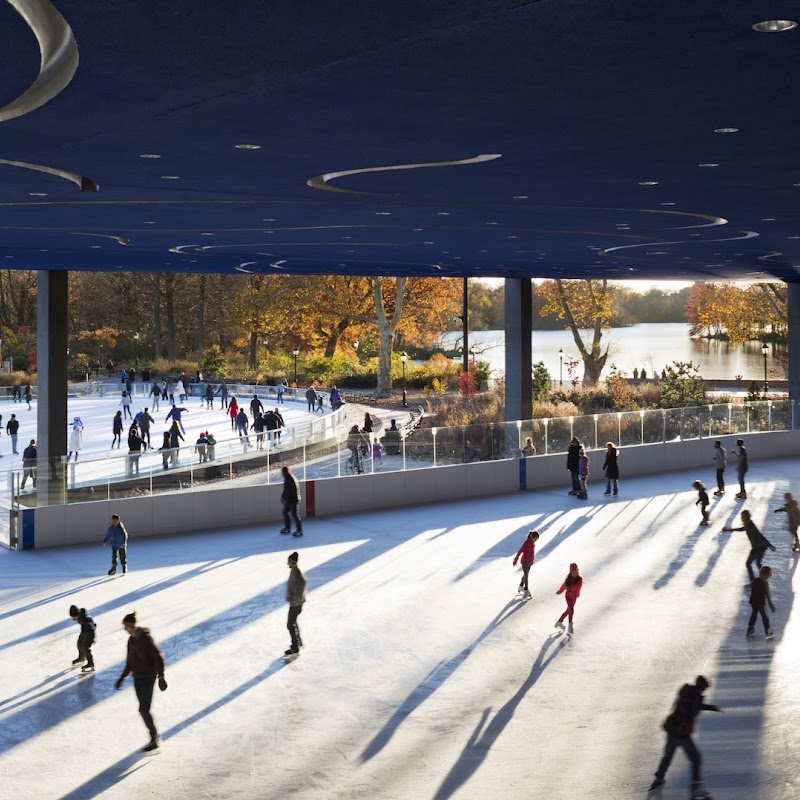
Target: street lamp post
(136, 359)
(403, 357)
(560, 367)
(765, 350)
(295, 352)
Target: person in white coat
(75, 438)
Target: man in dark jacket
(85, 638)
(255, 405)
(146, 663)
(296, 596)
(758, 542)
(12, 429)
(29, 457)
(117, 537)
(759, 597)
(145, 421)
(572, 464)
(290, 498)
(311, 398)
(679, 726)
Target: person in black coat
(572, 463)
(85, 638)
(759, 597)
(290, 498)
(611, 468)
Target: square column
(793, 347)
(518, 310)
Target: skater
(758, 542)
(175, 413)
(75, 438)
(209, 397)
(233, 410)
(702, 501)
(611, 468)
(759, 597)
(280, 390)
(212, 443)
(377, 452)
(135, 443)
(12, 429)
(223, 394)
(742, 466)
(526, 555)
(242, 423)
(201, 447)
(28, 393)
(16, 392)
(146, 663)
(85, 638)
(290, 498)
(117, 537)
(572, 464)
(311, 398)
(296, 595)
(572, 585)
(125, 402)
(165, 450)
(145, 421)
(529, 449)
(679, 726)
(256, 405)
(30, 456)
(720, 462)
(175, 439)
(583, 473)
(155, 393)
(790, 507)
(336, 399)
(258, 427)
(169, 392)
(116, 427)
(280, 423)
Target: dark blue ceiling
(583, 102)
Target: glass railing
(317, 449)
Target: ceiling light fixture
(148, 223)
(383, 213)
(149, 155)
(247, 146)
(775, 25)
(708, 164)
(520, 197)
(648, 183)
(668, 204)
(442, 213)
(170, 177)
(38, 194)
(726, 130)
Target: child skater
(702, 500)
(759, 597)
(85, 638)
(793, 516)
(526, 555)
(572, 586)
(583, 473)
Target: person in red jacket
(233, 410)
(526, 555)
(572, 586)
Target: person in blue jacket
(175, 413)
(117, 537)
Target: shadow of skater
(431, 682)
(482, 740)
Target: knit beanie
(573, 567)
(73, 611)
(294, 558)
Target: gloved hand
(118, 684)
(162, 684)
(772, 548)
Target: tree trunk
(169, 302)
(252, 352)
(387, 325)
(158, 345)
(334, 336)
(200, 318)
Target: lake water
(649, 345)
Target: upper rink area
(422, 675)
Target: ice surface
(422, 676)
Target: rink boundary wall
(220, 508)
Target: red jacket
(233, 408)
(526, 551)
(573, 591)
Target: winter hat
(73, 611)
(573, 567)
(766, 572)
(702, 683)
(294, 558)
(698, 484)
(129, 619)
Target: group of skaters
(267, 423)
(578, 468)
(22, 393)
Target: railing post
(792, 417)
(433, 430)
(663, 426)
(596, 417)
(403, 443)
(545, 422)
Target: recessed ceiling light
(708, 164)
(768, 219)
(206, 234)
(429, 243)
(775, 25)
(648, 183)
(793, 237)
(442, 213)
(383, 213)
(491, 223)
(148, 223)
(511, 237)
(417, 229)
(668, 204)
(96, 246)
(9, 256)
(38, 194)
(271, 219)
(726, 130)
(247, 146)
(170, 177)
(149, 155)
(520, 197)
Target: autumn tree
(582, 304)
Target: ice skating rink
(422, 676)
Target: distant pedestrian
(583, 473)
(85, 638)
(116, 427)
(611, 468)
(125, 402)
(664, 374)
(223, 394)
(529, 449)
(155, 393)
(758, 542)
(720, 462)
(367, 423)
(28, 394)
(75, 438)
(742, 465)
(165, 450)
(792, 513)
(643, 374)
(201, 447)
(145, 421)
(572, 585)
(377, 452)
(212, 443)
(759, 597)
(702, 501)
(573, 455)
(233, 410)
(526, 556)
(280, 390)
(30, 456)
(635, 374)
(146, 663)
(290, 497)
(117, 537)
(311, 397)
(175, 414)
(679, 726)
(12, 429)
(296, 596)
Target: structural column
(51, 386)
(519, 397)
(793, 345)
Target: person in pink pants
(572, 586)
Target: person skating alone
(742, 465)
(125, 402)
(759, 597)
(611, 468)
(145, 421)
(30, 455)
(146, 663)
(155, 393)
(12, 429)
(573, 453)
(526, 556)
(793, 516)
(85, 638)
(679, 726)
(758, 542)
(175, 414)
(572, 585)
(223, 395)
(75, 438)
(296, 595)
(583, 473)
(702, 501)
(116, 428)
(117, 537)
(720, 462)
(311, 399)
(290, 497)
(28, 393)
(233, 410)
